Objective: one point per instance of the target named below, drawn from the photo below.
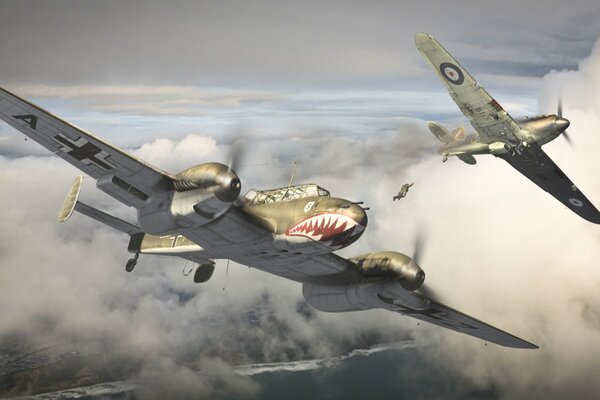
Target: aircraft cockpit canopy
(257, 197)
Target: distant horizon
(340, 89)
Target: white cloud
(150, 100)
(498, 248)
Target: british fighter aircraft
(198, 215)
(518, 142)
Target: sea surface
(387, 371)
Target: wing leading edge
(493, 124)
(536, 165)
(488, 117)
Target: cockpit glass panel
(256, 197)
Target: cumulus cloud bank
(177, 338)
(513, 255)
(498, 248)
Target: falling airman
(403, 191)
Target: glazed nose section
(561, 124)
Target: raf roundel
(452, 73)
(576, 202)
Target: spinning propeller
(425, 290)
(563, 122)
(237, 150)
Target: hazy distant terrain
(42, 363)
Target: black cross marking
(432, 313)
(459, 326)
(87, 151)
(426, 312)
(29, 118)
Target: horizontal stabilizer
(440, 132)
(467, 158)
(107, 219)
(69, 203)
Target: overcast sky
(339, 87)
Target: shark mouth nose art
(323, 226)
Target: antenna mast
(293, 173)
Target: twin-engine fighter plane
(517, 142)
(290, 232)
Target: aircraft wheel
(130, 264)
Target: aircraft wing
(536, 165)
(441, 315)
(125, 177)
(333, 269)
(488, 117)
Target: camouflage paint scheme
(518, 142)
(198, 215)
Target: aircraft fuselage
(540, 130)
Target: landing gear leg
(131, 263)
(444, 159)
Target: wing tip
(513, 342)
(525, 345)
(593, 216)
(421, 38)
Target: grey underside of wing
(107, 219)
(90, 154)
(535, 164)
(446, 317)
(488, 118)
(236, 236)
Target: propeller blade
(236, 153)
(427, 292)
(559, 111)
(567, 138)
(419, 243)
(424, 290)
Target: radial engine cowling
(393, 264)
(203, 193)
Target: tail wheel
(131, 263)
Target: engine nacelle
(391, 263)
(202, 193)
(217, 178)
(360, 295)
(398, 277)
